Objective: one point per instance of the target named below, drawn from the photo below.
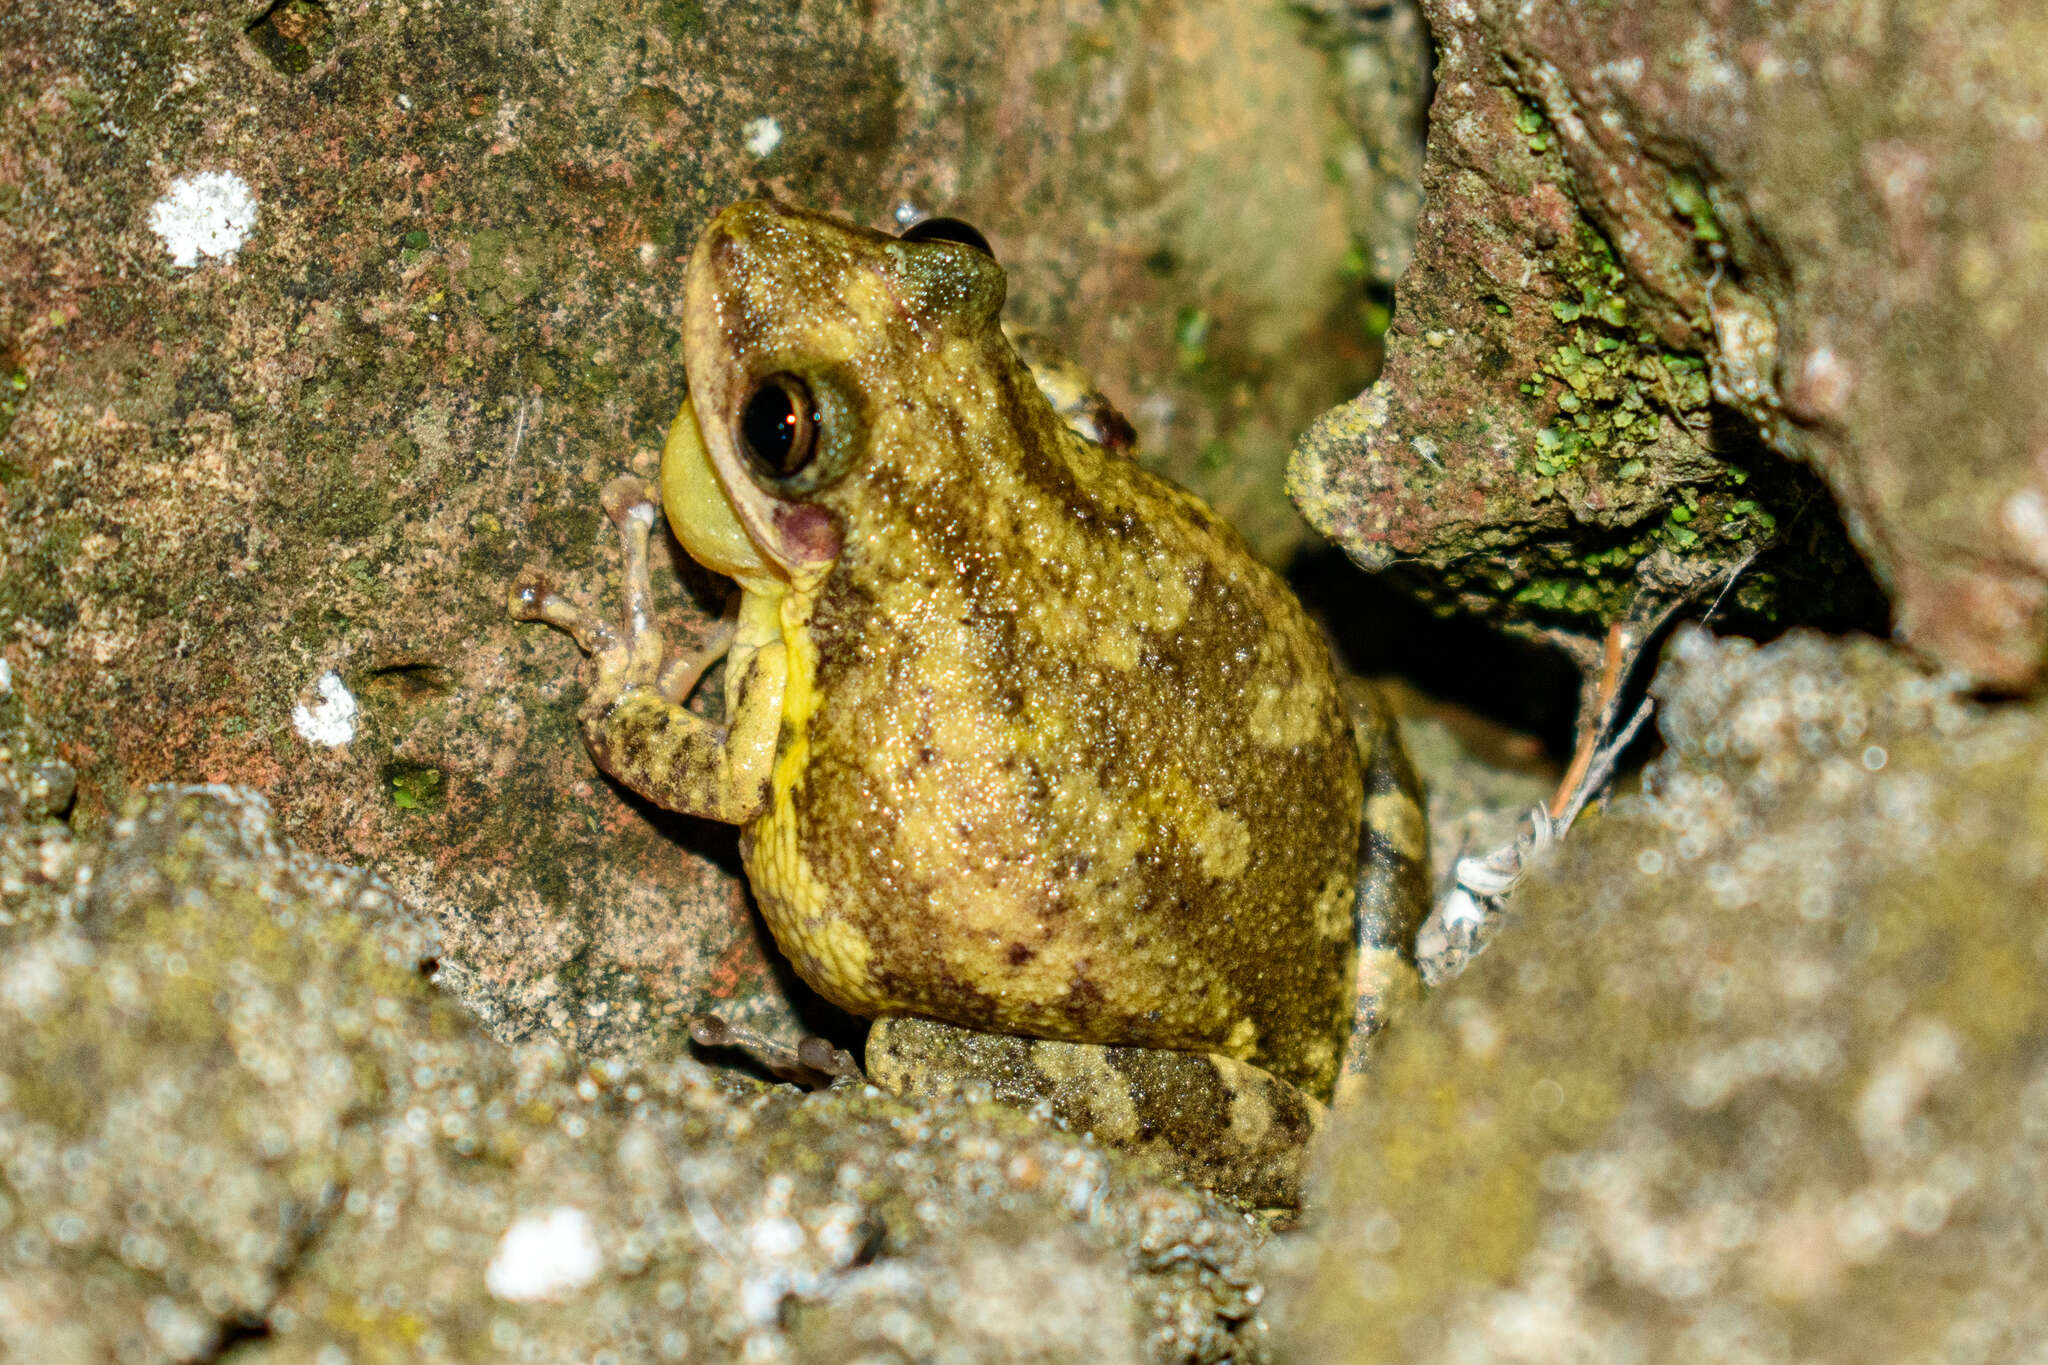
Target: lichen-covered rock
(233, 1108)
(1667, 249)
(183, 1058)
(37, 862)
(1760, 1073)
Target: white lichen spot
(773, 1238)
(764, 135)
(208, 214)
(545, 1255)
(331, 721)
(2024, 516)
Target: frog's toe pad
(628, 495)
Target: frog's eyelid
(948, 230)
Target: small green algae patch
(13, 397)
(1607, 382)
(1690, 201)
(416, 786)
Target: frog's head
(821, 359)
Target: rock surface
(1669, 248)
(235, 1112)
(1760, 1073)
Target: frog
(1036, 765)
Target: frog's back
(1062, 758)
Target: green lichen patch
(419, 787)
(14, 390)
(293, 34)
(1690, 201)
(1606, 383)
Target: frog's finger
(680, 675)
(630, 504)
(533, 598)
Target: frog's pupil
(776, 427)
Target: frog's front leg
(1216, 1122)
(633, 715)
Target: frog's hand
(1213, 1121)
(1085, 409)
(633, 716)
(1393, 873)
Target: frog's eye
(778, 428)
(949, 230)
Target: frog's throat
(701, 512)
(774, 605)
(739, 534)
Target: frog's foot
(534, 598)
(1211, 1120)
(813, 1063)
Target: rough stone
(1759, 1073)
(235, 1113)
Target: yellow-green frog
(1035, 764)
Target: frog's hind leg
(1393, 876)
(1223, 1124)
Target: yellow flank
(832, 953)
(843, 953)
